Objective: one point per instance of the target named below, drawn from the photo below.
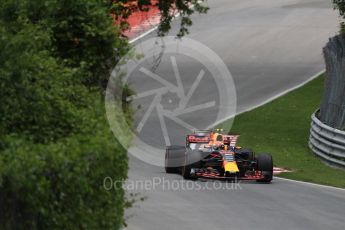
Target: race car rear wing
(227, 139)
(197, 139)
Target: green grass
(281, 128)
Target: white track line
(268, 100)
(149, 31)
(309, 183)
(143, 35)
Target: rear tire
(174, 156)
(264, 163)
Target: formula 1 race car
(213, 155)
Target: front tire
(264, 164)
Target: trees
(340, 5)
(55, 144)
(184, 8)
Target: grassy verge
(281, 127)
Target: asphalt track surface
(269, 46)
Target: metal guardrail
(327, 143)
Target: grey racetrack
(269, 46)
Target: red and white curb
(143, 23)
(277, 170)
(147, 23)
